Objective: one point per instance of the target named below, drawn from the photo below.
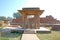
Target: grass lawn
(11, 36)
(54, 35)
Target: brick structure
(47, 19)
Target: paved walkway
(29, 35)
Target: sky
(51, 7)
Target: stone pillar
(37, 21)
(28, 23)
(24, 21)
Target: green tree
(3, 18)
(9, 18)
(17, 15)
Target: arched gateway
(34, 23)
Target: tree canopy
(17, 15)
(3, 18)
